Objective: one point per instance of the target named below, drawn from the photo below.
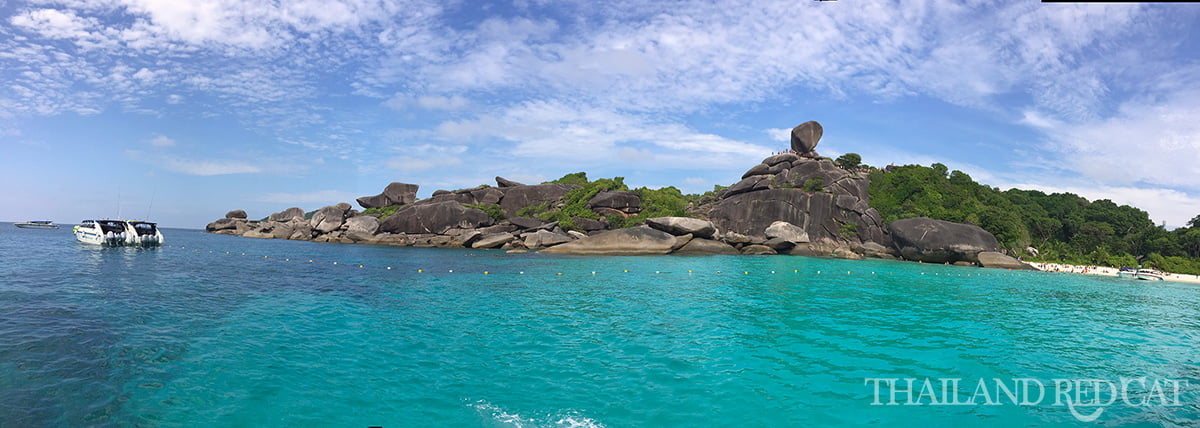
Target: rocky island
(795, 203)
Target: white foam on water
(502, 418)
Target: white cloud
(209, 167)
(414, 164)
(1155, 143)
(328, 197)
(780, 134)
(442, 103)
(162, 141)
(581, 135)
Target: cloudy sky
(184, 110)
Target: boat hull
(118, 234)
(35, 226)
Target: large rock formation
(330, 218)
(394, 194)
(938, 241)
(516, 198)
(236, 214)
(814, 195)
(434, 218)
(805, 137)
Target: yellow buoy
(485, 272)
(264, 257)
(360, 266)
(625, 271)
(560, 274)
(419, 271)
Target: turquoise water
(188, 335)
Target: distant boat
(1149, 275)
(115, 233)
(37, 224)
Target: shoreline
(1105, 271)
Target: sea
(214, 330)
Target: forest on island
(1057, 227)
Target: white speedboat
(1149, 275)
(115, 233)
(145, 233)
(36, 224)
(1127, 273)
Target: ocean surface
(214, 330)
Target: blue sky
(184, 110)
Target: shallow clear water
(222, 331)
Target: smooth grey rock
(395, 193)
(748, 184)
(498, 228)
(992, 259)
(630, 241)
(465, 239)
(681, 240)
(545, 238)
(938, 241)
(780, 158)
(876, 251)
(758, 250)
(701, 246)
(330, 218)
(588, 225)
(236, 214)
(435, 218)
(779, 244)
(683, 225)
(516, 198)
(805, 137)
(362, 224)
(226, 223)
(525, 222)
(628, 202)
(288, 214)
(786, 231)
(494, 240)
(504, 182)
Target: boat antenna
(118, 201)
(152, 193)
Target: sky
(180, 111)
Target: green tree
(1194, 222)
(849, 161)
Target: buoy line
(690, 272)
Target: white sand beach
(1106, 271)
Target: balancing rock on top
(805, 137)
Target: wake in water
(493, 415)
